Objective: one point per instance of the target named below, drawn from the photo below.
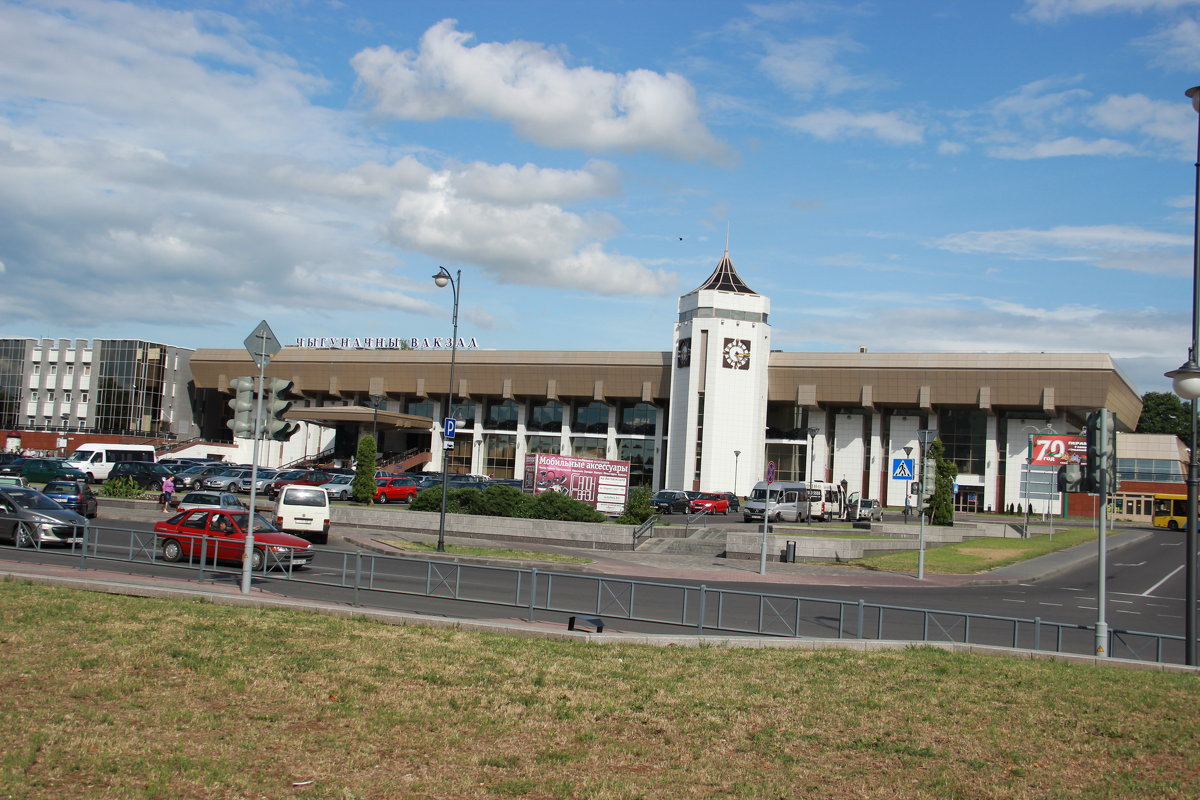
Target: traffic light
(1100, 472)
(1070, 478)
(928, 478)
(242, 404)
(276, 405)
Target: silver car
(340, 487)
(869, 509)
(207, 499)
(227, 480)
(262, 480)
(29, 518)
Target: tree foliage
(1164, 412)
(638, 508)
(363, 484)
(941, 504)
(506, 501)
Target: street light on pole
(924, 437)
(736, 454)
(1186, 381)
(442, 278)
(811, 433)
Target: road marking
(1138, 564)
(1088, 608)
(1134, 613)
(1011, 600)
(1051, 604)
(1170, 575)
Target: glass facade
(636, 419)
(500, 455)
(546, 416)
(785, 421)
(502, 416)
(12, 364)
(591, 418)
(791, 461)
(129, 387)
(963, 432)
(640, 455)
(1149, 469)
(588, 447)
(544, 444)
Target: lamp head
(442, 277)
(813, 432)
(1194, 94)
(1186, 380)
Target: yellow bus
(1170, 511)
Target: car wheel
(172, 551)
(256, 560)
(778, 517)
(344, 496)
(382, 499)
(25, 536)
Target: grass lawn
(119, 697)
(978, 555)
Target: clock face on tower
(683, 356)
(736, 354)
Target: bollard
(789, 554)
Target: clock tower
(719, 386)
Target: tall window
(588, 447)
(785, 421)
(640, 455)
(501, 460)
(546, 416)
(12, 358)
(550, 445)
(419, 408)
(963, 432)
(592, 418)
(502, 416)
(636, 419)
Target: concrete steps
(701, 542)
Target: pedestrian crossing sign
(902, 469)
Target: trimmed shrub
(124, 487)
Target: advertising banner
(601, 484)
(1052, 450)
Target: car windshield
(35, 501)
(260, 524)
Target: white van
(795, 501)
(96, 459)
(303, 511)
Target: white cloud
(951, 148)
(1106, 246)
(1068, 146)
(808, 66)
(1175, 47)
(1156, 119)
(529, 86)
(837, 123)
(1054, 10)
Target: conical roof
(725, 279)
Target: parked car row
(675, 501)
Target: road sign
(262, 345)
(770, 472)
(902, 469)
(451, 425)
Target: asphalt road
(1144, 585)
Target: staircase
(702, 542)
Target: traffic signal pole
(248, 551)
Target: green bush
(125, 488)
(563, 508)
(363, 486)
(506, 501)
(638, 509)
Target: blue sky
(946, 175)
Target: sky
(917, 176)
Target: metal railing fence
(678, 607)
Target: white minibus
(96, 459)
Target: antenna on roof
(726, 237)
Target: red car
(710, 503)
(308, 477)
(220, 534)
(391, 490)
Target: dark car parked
(670, 501)
(144, 473)
(40, 470)
(735, 503)
(75, 495)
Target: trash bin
(789, 555)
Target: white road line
(1170, 575)
(1088, 608)
(1059, 605)
(1134, 613)
(1011, 600)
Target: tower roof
(725, 279)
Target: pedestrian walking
(907, 506)
(168, 489)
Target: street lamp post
(442, 278)
(924, 437)
(811, 433)
(736, 454)
(375, 398)
(1186, 382)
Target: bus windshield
(1170, 511)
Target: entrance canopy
(333, 415)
